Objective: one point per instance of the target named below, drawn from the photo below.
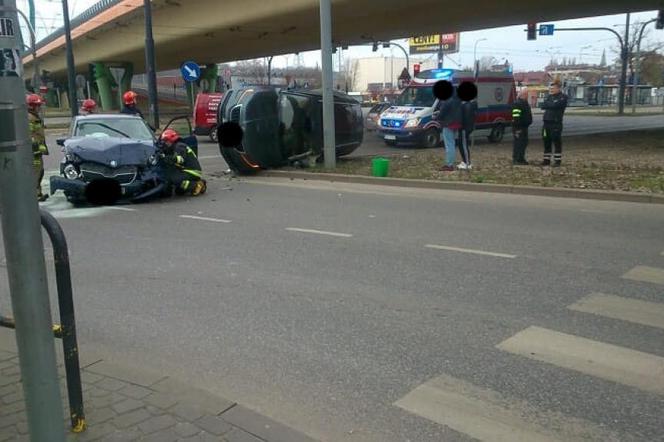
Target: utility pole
(150, 69)
(24, 250)
(71, 67)
(329, 142)
(623, 70)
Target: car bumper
(76, 188)
(202, 130)
(402, 136)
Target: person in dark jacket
(449, 117)
(183, 170)
(554, 107)
(129, 107)
(468, 112)
(522, 118)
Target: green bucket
(380, 167)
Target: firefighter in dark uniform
(554, 107)
(38, 139)
(183, 170)
(522, 118)
(129, 104)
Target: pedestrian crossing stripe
(611, 362)
(646, 274)
(626, 309)
(487, 415)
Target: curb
(602, 195)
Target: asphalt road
(363, 313)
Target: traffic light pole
(624, 55)
(637, 63)
(24, 250)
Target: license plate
(390, 137)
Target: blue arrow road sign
(191, 71)
(546, 30)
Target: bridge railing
(83, 17)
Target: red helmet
(33, 101)
(170, 136)
(129, 97)
(89, 105)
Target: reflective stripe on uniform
(185, 185)
(195, 173)
(190, 151)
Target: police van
(410, 119)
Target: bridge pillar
(210, 73)
(103, 79)
(127, 75)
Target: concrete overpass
(212, 31)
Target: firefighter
(129, 104)
(38, 138)
(88, 107)
(522, 118)
(183, 170)
(554, 107)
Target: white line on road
(646, 274)
(319, 232)
(477, 252)
(626, 309)
(210, 157)
(203, 218)
(618, 364)
(124, 209)
(490, 416)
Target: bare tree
(487, 62)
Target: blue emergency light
(442, 73)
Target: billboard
(427, 44)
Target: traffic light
(532, 31)
(416, 69)
(659, 24)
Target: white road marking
(210, 157)
(487, 415)
(124, 209)
(646, 274)
(618, 364)
(319, 232)
(202, 218)
(626, 309)
(476, 252)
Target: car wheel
(497, 134)
(431, 138)
(213, 135)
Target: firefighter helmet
(129, 97)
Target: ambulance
(409, 120)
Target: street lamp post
(477, 68)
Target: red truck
(205, 114)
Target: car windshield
(113, 127)
(416, 96)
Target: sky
(502, 43)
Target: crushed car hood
(123, 151)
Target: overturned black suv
(283, 127)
